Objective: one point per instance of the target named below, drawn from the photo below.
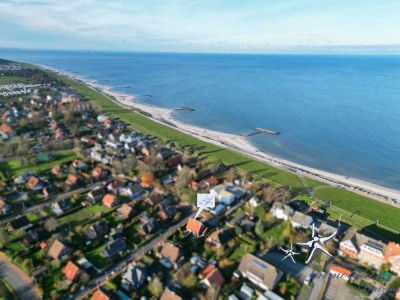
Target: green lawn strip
(15, 79)
(96, 258)
(82, 215)
(372, 210)
(14, 166)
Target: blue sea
(338, 113)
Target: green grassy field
(347, 201)
(365, 207)
(15, 167)
(15, 79)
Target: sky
(250, 26)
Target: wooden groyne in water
(262, 130)
(185, 108)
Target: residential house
(114, 248)
(367, 250)
(259, 272)
(99, 173)
(34, 237)
(69, 98)
(281, 211)
(340, 272)
(114, 186)
(169, 295)
(4, 207)
(149, 227)
(154, 199)
(78, 164)
(220, 238)
(97, 230)
(20, 223)
(132, 191)
(175, 160)
(392, 256)
(61, 206)
(167, 213)
(134, 277)
(6, 132)
(56, 169)
(170, 255)
(147, 180)
(50, 190)
(222, 195)
(125, 211)
(71, 180)
(196, 227)
(97, 193)
(110, 200)
(58, 250)
(71, 271)
(301, 221)
(34, 184)
(212, 277)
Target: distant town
(91, 208)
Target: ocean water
(336, 113)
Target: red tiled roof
(100, 295)
(212, 180)
(341, 270)
(5, 128)
(108, 200)
(392, 249)
(196, 227)
(71, 180)
(169, 295)
(33, 181)
(213, 277)
(71, 271)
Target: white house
(281, 211)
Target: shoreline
(239, 144)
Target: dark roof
(65, 204)
(98, 229)
(34, 236)
(136, 188)
(150, 227)
(20, 223)
(98, 192)
(114, 248)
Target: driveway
(21, 284)
(337, 290)
(296, 270)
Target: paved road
(18, 280)
(114, 270)
(296, 270)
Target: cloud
(200, 24)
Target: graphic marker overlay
(289, 253)
(204, 201)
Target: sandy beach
(242, 145)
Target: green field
(348, 201)
(362, 206)
(14, 166)
(15, 79)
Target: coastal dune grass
(345, 200)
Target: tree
(260, 227)
(85, 278)
(231, 175)
(184, 176)
(155, 287)
(51, 224)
